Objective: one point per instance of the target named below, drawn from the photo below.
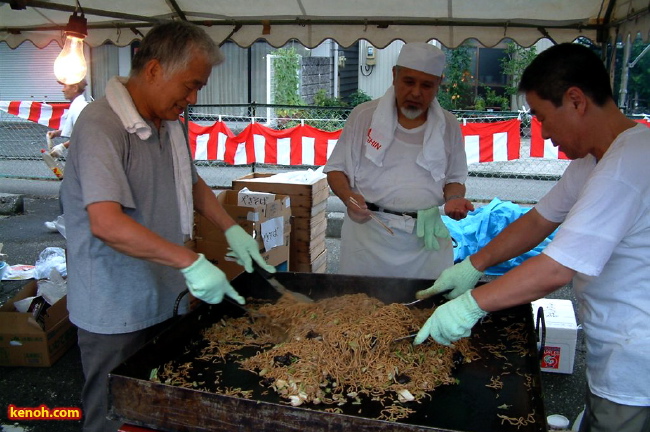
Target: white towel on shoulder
(121, 102)
(182, 176)
(382, 131)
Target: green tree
(512, 65)
(286, 77)
(456, 90)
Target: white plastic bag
(50, 257)
(52, 289)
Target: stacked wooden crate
(308, 252)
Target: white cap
(422, 57)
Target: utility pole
(627, 65)
(622, 93)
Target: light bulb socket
(77, 26)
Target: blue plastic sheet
(482, 225)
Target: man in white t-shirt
(75, 94)
(602, 206)
(399, 159)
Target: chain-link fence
(21, 142)
(522, 180)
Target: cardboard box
(561, 335)
(211, 241)
(215, 253)
(308, 209)
(302, 195)
(23, 342)
(251, 219)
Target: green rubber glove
(430, 226)
(459, 278)
(451, 321)
(245, 249)
(206, 282)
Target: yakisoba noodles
(339, 349)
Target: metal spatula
(279, 287)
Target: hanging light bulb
(70, 66)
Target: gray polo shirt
(109, 292)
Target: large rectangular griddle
(472, 405)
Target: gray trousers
(602, 415)
(101, 353)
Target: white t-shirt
(604, 208)
(70, 117)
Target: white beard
(411, 113)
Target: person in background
(75, 94)
(401, 158)
(129, 194)
(602, 206)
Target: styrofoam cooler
(561, 335)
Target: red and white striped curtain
(306, 145)
(539, 147)
(491, 142)
(299, 145)
(46, 114)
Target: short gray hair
(173, 43)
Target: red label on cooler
(551, 357)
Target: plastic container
(52, 164)
(557, 422)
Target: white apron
(369, 249)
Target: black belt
(375, 207)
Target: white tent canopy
(311, 21)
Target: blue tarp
(482, 225)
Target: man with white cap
(400, 160)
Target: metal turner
(301, 298)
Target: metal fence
(523, 180)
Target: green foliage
(492, 99)
(321, 98)
(479, 103)
(286, 82)
(456, 90)
(517, 59)
(358, 97)
(286, 85)
(329, 120)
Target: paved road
(24, 237)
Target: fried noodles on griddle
(339, 349)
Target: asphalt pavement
(24, 237)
